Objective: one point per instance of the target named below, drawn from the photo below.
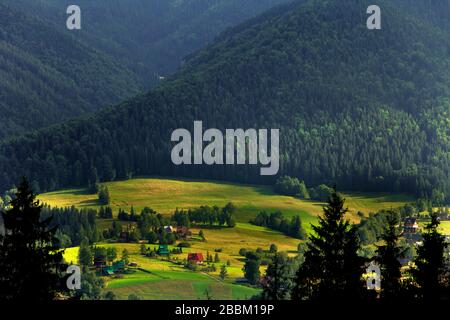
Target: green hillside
(160, 279)
(366, 110)
(47, 76)
(151, 37)
(166, 195)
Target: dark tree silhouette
(388, 256)
(31, 263)
(430, 273)
(251, 268)
(332, 269)
(279, 278)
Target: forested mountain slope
(47, 76)
(150, 36)
(368, 110)
(49, 73)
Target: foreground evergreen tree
(85, 257)
(30, 263)
(332, 269)
(251, 268)
(279, 278)
(388, 256)
(430, 273)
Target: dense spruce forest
(49, 74)
(152, 37)
(367, 110)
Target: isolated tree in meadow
(111, 254)
(209, 257)
(430, 273)
(216, 258)
(103, 195)
(223, 272)
(31, 264)
(251, 268)
(332, 268)
(387, 256)
(273, 248)
(125, 256)
(279, 278)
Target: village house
(168, 229)
(163, 250)
(184, 232)
(410, 226)
(195, 258)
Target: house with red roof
(195, 258)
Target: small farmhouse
(195, 258)
(410, 226)
(184, 232)
(163, 249)
(168, 229)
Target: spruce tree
(430, 273)
(223, 272)
(332, 269)
(388, 256)
(251, 268)
(279, 278)
(85, 257)
(31, 263)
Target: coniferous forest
(357, 212)
(367, 111)
(49, 74)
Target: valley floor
(159, 279)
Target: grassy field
(156, 279)
(165, 195)
(166, 280)
(444, 227)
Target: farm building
(117, 267)
(168, 229)
(107, 271)
(163, 249)
(195, 258)
(184, 232)
(99, 261)
(410, 226)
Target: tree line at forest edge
(364, 127)
(329, 267)
(75, 225)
